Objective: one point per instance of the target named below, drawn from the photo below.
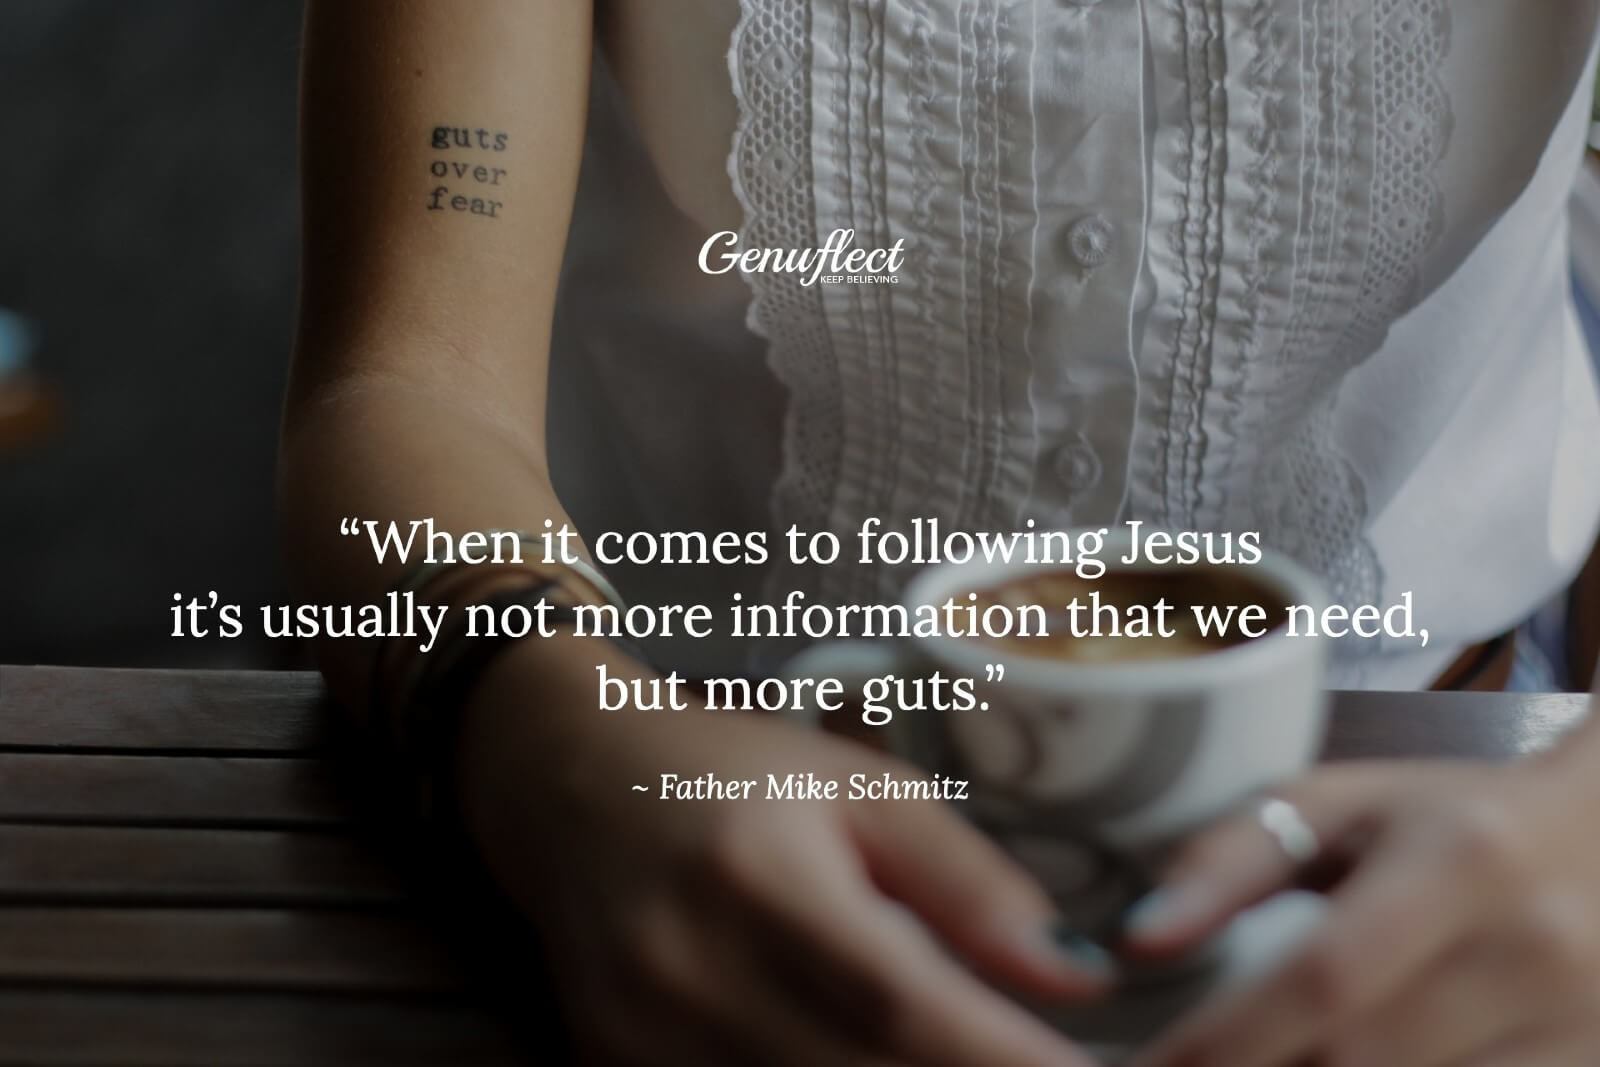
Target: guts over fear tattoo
(465, 179)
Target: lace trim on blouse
(1290, 198)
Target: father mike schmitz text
(805, 785)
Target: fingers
(1573, 1046)
(979, 900)
(695, 986)
(908, 998)
(1415, 894)
(930, 1010)
(1239, 863)
(1350, 964)
(791, 888)
(1460, 1006)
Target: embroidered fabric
(907, 400)
(1299, 199)
(1229, 273)
(770, 165)
(1320, 502)
(1412, 132)
(1309, 502)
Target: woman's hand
(771, 932)
(1464, 928)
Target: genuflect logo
(837, 262)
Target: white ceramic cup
(1127, 754)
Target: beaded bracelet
(430, 723)
(423, 576)
(424, 573)
(418, 720)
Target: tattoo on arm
(464, 183)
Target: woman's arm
(429, 277)
(441, 149)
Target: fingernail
(1164, 911)
(1083, 954)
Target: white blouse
(1295, 266)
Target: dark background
(148, 227)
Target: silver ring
(1290, 830)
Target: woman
(1290, 267)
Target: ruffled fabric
(900, 120)
(1149, 244)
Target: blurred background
(148, 217)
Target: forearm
(384, 449)
(440, 152)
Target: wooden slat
(73, 864)
(231, 948)
(169, 790)
(1491, 726)
(64, 1029)
(181, 883)
(260, 711)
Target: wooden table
(185, 879)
